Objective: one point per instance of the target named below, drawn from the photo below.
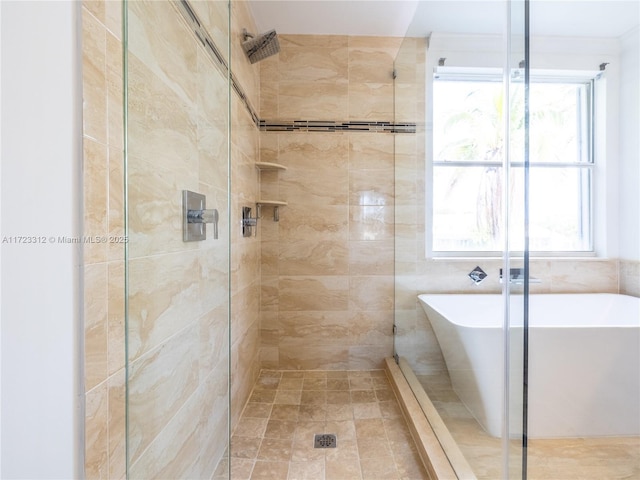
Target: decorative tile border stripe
(333, 126)
(210, 47)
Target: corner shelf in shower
(270, 166)
(273, 203)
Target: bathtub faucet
(477, 275)
(516, 276)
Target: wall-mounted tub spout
(516, 276)
(477, 275)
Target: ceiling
(583, 18)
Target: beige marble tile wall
(245, 252)
(417, 274)
(104, 357)
(630, 277)
(178, 292)
(327, 265)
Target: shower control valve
(195, 216)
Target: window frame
(589, 163)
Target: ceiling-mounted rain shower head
(260, 47)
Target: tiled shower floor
(599, 458)
(274, 437)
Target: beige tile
(370, 101)
(371, 327)
(113, 17)
(312, 470)
(303, 450)
(163, 45)
(275, 449)
(245, 447)
(94, 76)
(116, 425)
(381, 467)
(263, 396)
(323, 223)
(215, 17)
(313, 293)
(370, 60)
(288, 397)
(322, 41)
(96, 330)
(164, 296)
(370, 428)
(341, 469)
(313, 397)
(291, 383)
(241, 469)
(372, 448)
(371, 187)
(583, 276)
(370, 222)
(147, 413)
(309, 257)
(116, 314)
(320, 101)
(302, 328)
(313, 412)
(314, 357)
(338, 411)
(285, 412)
(258, 410)
(630, 278)
(251, 427)
(114, 90)
(281, 429)
(371, 293)
(325, 154)
(370, 152)
(269, 470)
(312, 65)
(371, 257)
(96, 432)
(96, 200)
(313, 189)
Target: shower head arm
(246, 35)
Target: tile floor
(599, 458)
(274, 437)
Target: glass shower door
(177, 291)
(489, 66)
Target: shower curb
(431, 453)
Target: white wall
(41, 407)
(630, 146)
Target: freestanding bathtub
(584, 360)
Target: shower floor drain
(324, 440)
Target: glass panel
(177, 292)
(515, 291)
(461, 164)
(608, 194)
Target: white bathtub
(584, 360)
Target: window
(468, 149)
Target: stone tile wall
(327, 265)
